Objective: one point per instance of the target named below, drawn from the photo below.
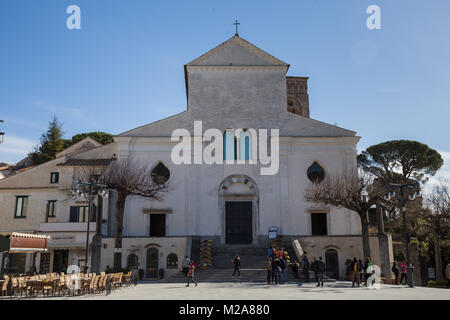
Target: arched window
(229, 145)
(172, 261)
(132, 261)
(160, 174)
(245, 145)
(315, 173)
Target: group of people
(189, 269)
(400, 269)
(278, 263)
(359, 271)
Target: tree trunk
(437, 251)
(120, 209)
(365, 234)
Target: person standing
(270, 252)
(305, 268)
(403, 270)
(237, 265)
(269, 270)
(276, 268)
(185, 265)
(283, 270)
(361, 268)
(320, 269)
(396, 271)
(191, 274)
(355, 272)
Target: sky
(124, 67)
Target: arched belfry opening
(239, 209)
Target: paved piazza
(251, 291)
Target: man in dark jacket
(320, 269)
(237, 265)
(305, 268)
(276, 269)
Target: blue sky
(124, 68)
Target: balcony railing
(67, 226)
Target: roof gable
(237, 52)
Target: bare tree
(354, 191)
(436, 216)
(130, 177)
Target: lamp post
(402, 200)
(88, 190)
(1, 134)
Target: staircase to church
(253, 263)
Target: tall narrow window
(21, 207)
(229, 145)
(245, 145)
(51, 209)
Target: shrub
(434, 283)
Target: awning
(23, 243)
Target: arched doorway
(239, 209)
(152, 262)
(332, 263)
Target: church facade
(237, 85)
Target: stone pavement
(250, 291)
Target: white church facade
(237, 85)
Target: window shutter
(73, 214)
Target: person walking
(305, 268)
(320, 269)
(237, 265)
(191, 274)
(355, 272)
(185, 265)
(395, 270)
(269, 270)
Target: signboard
(273, 232)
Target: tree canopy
(99, 136)
(51, 143)
(401, 160)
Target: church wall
(229, 97)
(194, 191)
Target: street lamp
(88, 190)
(1, 134)
(402, 200)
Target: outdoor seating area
(54, 284)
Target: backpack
(321, 266)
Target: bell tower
(297, 96)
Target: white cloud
(15, 148)
(61, 111)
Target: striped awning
(24, 242)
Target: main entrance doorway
(152, 262)
(238, 222)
